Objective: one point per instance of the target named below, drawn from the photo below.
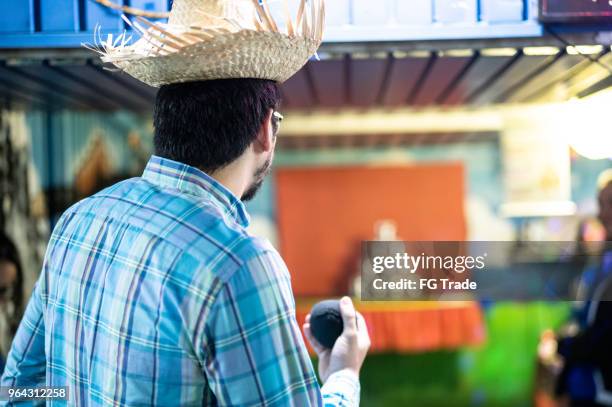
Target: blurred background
(419, 120)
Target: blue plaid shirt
(153, 293)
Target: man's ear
(265, 136)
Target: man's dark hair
(209, 124)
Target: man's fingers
(364, 335)
(313, 342)
(349, 316)
(361, 324)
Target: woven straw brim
(243, 54)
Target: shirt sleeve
(255, 351)
(26, 361)
(341, 389)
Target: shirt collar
(172, 174)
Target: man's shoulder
(164, 209)
(111, 195)
(254, 247)
(207, 237)
(235, 249)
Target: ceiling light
(540, 51)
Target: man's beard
(259, 176)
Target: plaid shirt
(153, 293)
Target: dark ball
(326, 322)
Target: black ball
(326, 322)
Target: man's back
(152, 293)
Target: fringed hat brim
(243, 54)
(196, 45)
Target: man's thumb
(349, 315)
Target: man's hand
(547, 351)
(350, 348)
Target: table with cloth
(416, 326)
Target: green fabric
(499, 373)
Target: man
(587, 374)
(152, 291)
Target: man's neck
(234, 177)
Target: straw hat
(217, 39)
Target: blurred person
(605, 201)
(11, 294)
(584, 351)
(590, 240)
(152, 291)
